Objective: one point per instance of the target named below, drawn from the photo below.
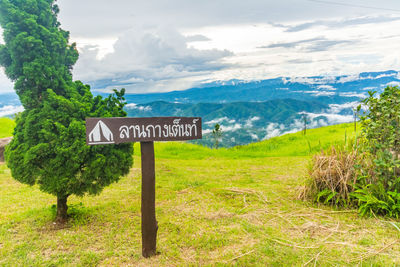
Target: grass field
(214, 207)
(6, 127)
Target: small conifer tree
(49, 146)
(217, 134)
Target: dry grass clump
(332, 176)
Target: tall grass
(332, 176)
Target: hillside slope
(294, 144)
(228, 207)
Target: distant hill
(279, 110)
(242, 122)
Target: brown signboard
(100, 131)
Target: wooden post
(102, 131)
(149, 223)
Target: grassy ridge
(295, 144)
(214, 207)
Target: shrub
(368, 175)
(378, 192)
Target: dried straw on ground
(332, 170)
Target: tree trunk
(62, 209)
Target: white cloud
(206, 131)
(6, 85)
(393, 84)
(98, 18)
(353, 94)
(349, 78)
(220, 120)
(337, 108)
(386, 75)
(363, 47)
(326, 87)
(10, 110)
(253, 136)
(330, 117)
(148, 59)
(372, 88)
(315, 122)
(135, 106)
(122, 45)
(231, 128)
(356, 77)
(310, 80)
(319, 93)
(273, 130)
(249, 122)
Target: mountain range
(257, 110)
(325, 89)
(249, 111)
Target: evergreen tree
(49, 146)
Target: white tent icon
(101, 134)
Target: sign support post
(111, 131)
(149, 223)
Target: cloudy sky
(164, 45)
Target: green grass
(221, 207)
(6, 127)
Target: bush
(378, 191)
(368, 175)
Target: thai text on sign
(122, 130)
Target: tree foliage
(379, 186)
(381, 125)
(49, 146)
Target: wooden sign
(100, 131)
(103, 131)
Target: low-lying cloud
(311, 45)
(220, 120)
(135, 106)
